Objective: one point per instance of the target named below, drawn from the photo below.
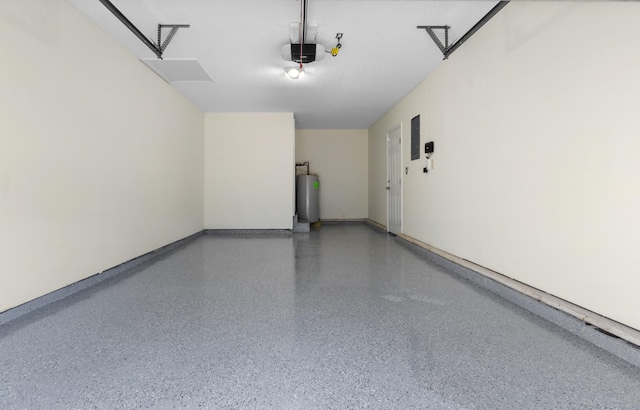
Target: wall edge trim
(75, 287)
(375, 225)
(346, 221)
(584, 323)
(247, 232)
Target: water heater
(308, 197)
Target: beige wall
(100, 160)
(535, 121)
(340, 158)
(249, 170)
(410, 106)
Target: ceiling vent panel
(178, 70)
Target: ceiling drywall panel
(238, 43)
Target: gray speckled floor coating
(342, 317)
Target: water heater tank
(307, 197)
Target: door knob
(388, 188)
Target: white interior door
(394, 181)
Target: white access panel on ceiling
(178, 69)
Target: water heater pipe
(304, 164)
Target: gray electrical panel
(415, 137)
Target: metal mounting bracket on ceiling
(174, 30)
(448, 49)
(159, 48)
(443, 47)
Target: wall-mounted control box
(428, 147)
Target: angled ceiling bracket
(448, 49)
(174, 29)
(159, 48)
(443, 47)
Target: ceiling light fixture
(301, 52)
(294, 72)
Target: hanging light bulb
(294, 72)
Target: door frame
(389, 131)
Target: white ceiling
(238, 43)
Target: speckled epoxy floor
(339, 318)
